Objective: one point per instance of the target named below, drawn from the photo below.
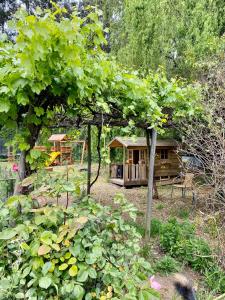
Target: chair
(185, 185)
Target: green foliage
(180, 241)
(57, 66)
(167, 265)
(84, 252)
(56, 184)
(160, 206)
(183, 213)
(37, 159)
(155, 227)
(173, 232)
(178, 36)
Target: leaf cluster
(181, 242)
(83, 252)
(57, 66)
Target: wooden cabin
(129, 161)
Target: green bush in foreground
(83, 252)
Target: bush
(180, 241)
(195, 252)
(155, 227)
(84, 252)
(173, 232)
(167, 265)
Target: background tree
(178, 35)
(205, 138)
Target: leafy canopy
(57, 64)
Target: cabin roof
(57, 137)
(139, 142)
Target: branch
(99, 155)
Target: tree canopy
(57, 65)
(178, 35)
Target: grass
(183, 213)
(160, 206)
(167, 265)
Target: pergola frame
(113, 121)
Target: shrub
(195, 252)
(84, 252)
(180, 241)
(173, 232)
(167, 265)
(155, 227)
(183, 213)
(160, 206)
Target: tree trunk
(152, 149)
(22, 165)
(99, 155)
(89, 161)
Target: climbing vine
(56, 65)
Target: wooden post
(124, 164)
(82, 155)
(89, 161)
(151, 154)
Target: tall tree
(178, 34)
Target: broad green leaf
(13, 200)
(46, 267)
(72, 261)
(75, 250)
(39, 111)
(82, 275)
(37, 263)
(19, 296)
(92, 273)
(4, 105)
(26, 271)
(4, 284)
(63, 267)
(22, 98)
(78, 291)
(8, 234)
(73, 271)
(45, 282)
(24, 246)
(55, 247)
(46, 237)
(67, 255)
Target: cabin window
(130, 156)
(142, 155)
(164, 154)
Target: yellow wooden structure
(61, 151)
(132, 170)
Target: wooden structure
(11, 155)
(62, 145)
(132, 170)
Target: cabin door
(135, 157)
